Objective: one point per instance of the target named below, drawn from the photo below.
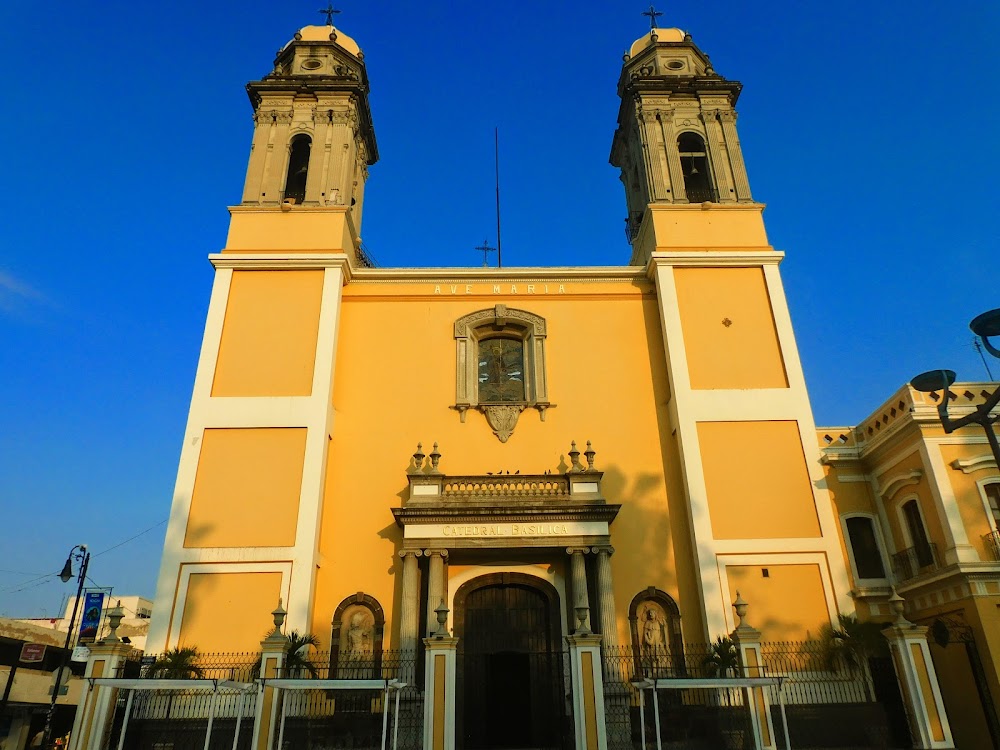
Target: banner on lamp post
(93, 606)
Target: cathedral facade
(509, 460)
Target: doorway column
(578, 570)
(606, 598)
(436, 593)
(409, 604)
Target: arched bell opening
(698, 183)
(298, 168)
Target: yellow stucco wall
(269, 336)
(210, 620)
(968, 495)
(788, 605)
(743, 354)
(246, 491)
(606, 378)
(756, 478)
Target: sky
(869, 130)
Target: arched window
(920, 552)
(694, 166)
(991, 541)
(500, 365)
(865, 550)
(992, 491)
(298, 168)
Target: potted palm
(179, 663)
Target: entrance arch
(510, 665)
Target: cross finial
(652, 14)
(329, 12)
(485, 249)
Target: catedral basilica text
(661, 550)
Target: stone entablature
(537, 510)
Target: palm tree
(296, 660)
(296, 649)
(180, 663)
(852, 645)
(723, 658)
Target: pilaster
(720, 167)
(97, 702)
(439, 693)
(272, 661)
(747, 640)
(588, 691)
(735, 153)
(918, 683)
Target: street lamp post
(984, 326)
(82, 556)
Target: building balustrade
(913, 561)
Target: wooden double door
(510, 664)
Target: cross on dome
(330, 12)
(652, 14)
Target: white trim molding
(889, 487)
(974, 464)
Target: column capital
(578, 550)
(441, 552)
(415, 552)
(604, 549)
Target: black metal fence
(689, 717)
(829, 703)
(160, 717)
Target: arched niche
(655, 626)
(356, 639)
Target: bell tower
(313, 143)
(676, 142)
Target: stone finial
(418, 459)
(278, 613)
(435, 460)
(741, 607)
(574, 456)
(898, 604)
(590, 453)
(441, 611)
(582, 611)
(115, 617)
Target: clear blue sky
(869, 129)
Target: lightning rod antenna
(496, 164)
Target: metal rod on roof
(496, 163)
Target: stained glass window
(501, 371)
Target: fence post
(272, 659)
(97, 704)
(588, 687)
(918, 682)
(439, 692)
(747, 640)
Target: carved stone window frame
(505, 322)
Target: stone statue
(652, 639)
(356, 648)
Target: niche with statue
(655, 625)
(356, 640)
